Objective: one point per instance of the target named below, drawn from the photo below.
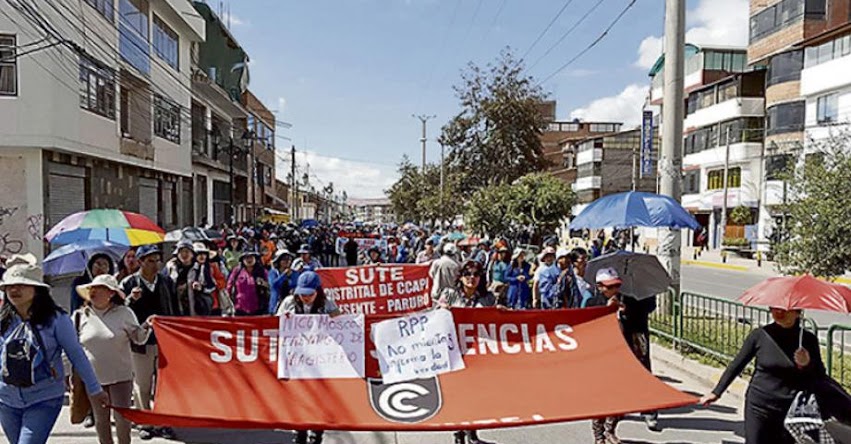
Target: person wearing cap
(178, 269)
(306, 261)
(282, 279)
(444, 271)
(545, 289)
(518, 275)
(308, 298)
(482, 253)
(428, 253)
(149, 293)
(106, 328)
(579, 259)
(470, 291)
(99, 263)
(497, 268)
(202, 285)
(248, 285)
(232, 251)
(31, 398)
(568, 292)
(374, 256)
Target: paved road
(730, 284)
(721, 423)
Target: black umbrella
(643, 275)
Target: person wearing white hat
(444, 271)
(518, 276)
(106, 328)
(34, 332)
(608, 293)
(545, 290)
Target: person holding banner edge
(308, 298)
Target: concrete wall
(21, 202)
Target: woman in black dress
(786, 363)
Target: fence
(718, 327)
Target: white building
(732, 107)
(827, 92)
(100, 122)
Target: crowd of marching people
(108, 340)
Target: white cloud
(624, 107)
(712, 22)
(358, 179)
(229, 19)
(282, 105)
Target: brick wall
(776, 42)
(759, 5)
(782, 92)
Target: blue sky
(349, 74)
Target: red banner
(378, 289)
(522, 368)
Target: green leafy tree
(741, 215)
(818, 227)
(545, 201)
(407, 192)
(438, 205)
(495, 138)
(493, 210)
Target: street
(720, 423)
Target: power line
(593, 44)
(567, 33)
(493, 22)
(547, 28)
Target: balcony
(588, 183)
(729, 109)
(739, 152)
(823, 77)
(589, 156)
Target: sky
(349, 75)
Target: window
(97, 88)
(166, 119)
(8, 65)
(785, 118)
(715, 179)
(604, 127)
(777, 165)
(728, 91)
(133, 34)
(834, 49)
(785, 67)
(827, 108)
(104, 7)
(166, 43)
(691, 182)
(782, 14)
(589, 169)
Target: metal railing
(717, 327)
(838, 359)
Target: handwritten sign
(320, 347)
(382, 289)
(417, 346)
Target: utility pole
(441, 178)
(230, 176)
(671, 158)
(424, 119)
(726, 184)
(294, 208)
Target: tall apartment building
(102, 122)
(559, 140)
(803, 46)
(610, 164)
(724, 117)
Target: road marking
(715, 265)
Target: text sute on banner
(321, 347)
(421, 345)
(371, 289)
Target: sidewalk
(719, 423)
(713, 259)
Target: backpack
(22, 357)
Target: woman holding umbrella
(787, 357)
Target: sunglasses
(470, 273)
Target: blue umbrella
(634, 209)
(309, 223)
(73, 258)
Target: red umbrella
(799, 293)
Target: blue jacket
(521, 289)
(58, 336)
(281, 286)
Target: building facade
(374, 211)
(103, 122)
(610, 164)
(723, 129)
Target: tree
(407, 192)
(495, 139)
(818, 211)
(537, 200)
(438, 205)
(741, 215)
(545, 201)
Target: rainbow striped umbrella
(116, 226)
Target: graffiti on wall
(14, 218)
(35, 226)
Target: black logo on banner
(407, 402)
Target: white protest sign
(419, 345)
(321, 347)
